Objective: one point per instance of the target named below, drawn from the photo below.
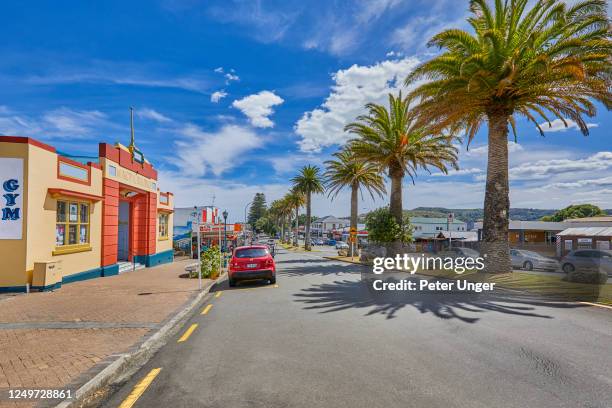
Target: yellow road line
(596, 304)
(139, 389)
(276, 286)
(218, 293)
(187, 333)
(206, 309)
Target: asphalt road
(322, 339)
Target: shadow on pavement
(345, 294)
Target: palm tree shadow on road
(351, 293)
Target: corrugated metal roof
(588, 232)
(605, 218)
(433, 220)
(532, 225)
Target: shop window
(163, 226)
(72, 225)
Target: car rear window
(251, 253)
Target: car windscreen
(251, 253)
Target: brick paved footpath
(54, 339)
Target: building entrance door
(123, 250)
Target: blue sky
(232, 97)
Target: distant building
(532, 232)
(429, 228)
(328, 224)
(585, 233)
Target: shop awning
(57, 192)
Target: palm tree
(394, 141)
(308, 181)
(275, 213)
(346, 171)
(548, 61)
(295, 199)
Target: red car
(251, 262)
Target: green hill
(475, 214)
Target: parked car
(331, 242)
(319, 242)
(460, 252)
(341, 245)
(600, 259)
(251, 262)
(530, 260)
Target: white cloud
(119, 73)
(557, 125)
(231, 77)
(153, 115)
(219, 70)
(594, 164)
(353, 88)
(392, 54)
(460, 172)
(258, 107)
(200, 152)
(217, 96)
(72, 122)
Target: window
(72, 224)
(251, 253)
(163, 225)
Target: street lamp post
(245, 221)
(224, 230)
(195, 209)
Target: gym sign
(11, 200)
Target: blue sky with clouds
(232, 97)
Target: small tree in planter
(383, 229)
(210, 263)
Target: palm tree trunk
(308, 211)
(354, 214)
(396, 174)
(297, 226)
(495, 248)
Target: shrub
(383, 228)
(210, 262)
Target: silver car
(588, 258)
(529, 260)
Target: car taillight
(269, 262)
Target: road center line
(187, 333)
(218, 293)
(207, 309)
(139, 389)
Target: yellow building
(64, 220)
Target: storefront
(83, 219)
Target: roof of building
(433, 220)
(531, 225)
(605, 218)
(331, 219)
(587, 232)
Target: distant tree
(357, 175)
(295, 199)
(258, 209)
(266, 225)
(575, 211)
(308, 181)
(383, 228)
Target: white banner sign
(11, 198)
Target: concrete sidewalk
(59, 340)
